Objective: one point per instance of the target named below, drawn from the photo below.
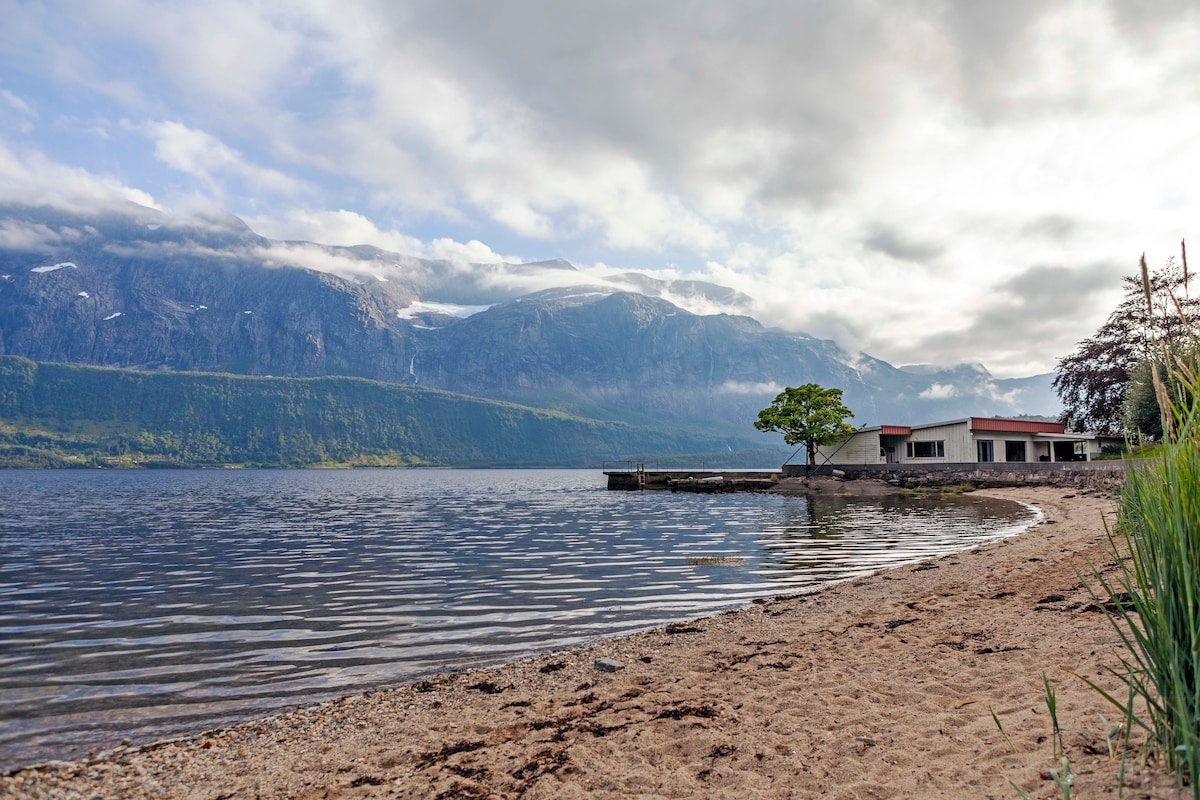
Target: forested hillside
(69, 415)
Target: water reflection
(149, 604)
(835, 537)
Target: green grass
(1158, 617)
(1146, 451)
(1152, 450)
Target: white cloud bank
(29, 176)
(939, 391)
(938, 182)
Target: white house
(962, 441)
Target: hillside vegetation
(61, 415)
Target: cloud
(896, 245)
(1033, 317)
(33, 236)
(939, 391)
(905, 178)
(312, 256)
(341, 227)
(28, 176)
(472, 252)
(26, 236)
(206, 157)
(1009, 398)
(349, 229)
(751, 389)
(16, 103)
(25, 115)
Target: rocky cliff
(132, 288)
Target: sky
(928, 182)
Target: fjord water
(147, 604)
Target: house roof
(1067, 437)
(894, 430)
(1016, 425)
(998, 424)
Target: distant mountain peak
(160, 292)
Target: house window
(1014, 451)
(986, 450)
(927, 449)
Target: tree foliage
(810, 415)
(1093, 382)
(1141, 412)
(1143, 415)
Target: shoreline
(882, 686)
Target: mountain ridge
(148, 291)
(70, 415)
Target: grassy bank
(1158, 591)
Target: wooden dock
(691, 480)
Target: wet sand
(883, 687)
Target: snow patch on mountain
(585, 294)
(53, 267)
(449, 309)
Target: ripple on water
(150, 604)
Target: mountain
(130, 287)
(70, 415)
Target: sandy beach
(883, 687)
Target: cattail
(1184, 371)
(1146, 286)
(1183, 251)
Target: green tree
(1093, 382)
(810, 415)
(1143, 414)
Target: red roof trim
(894, 430)
(1016, 425)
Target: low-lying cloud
(750, 388)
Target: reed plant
(1155, 592)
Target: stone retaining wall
(1090, 474)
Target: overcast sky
(926, 181)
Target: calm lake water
(143, 605)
